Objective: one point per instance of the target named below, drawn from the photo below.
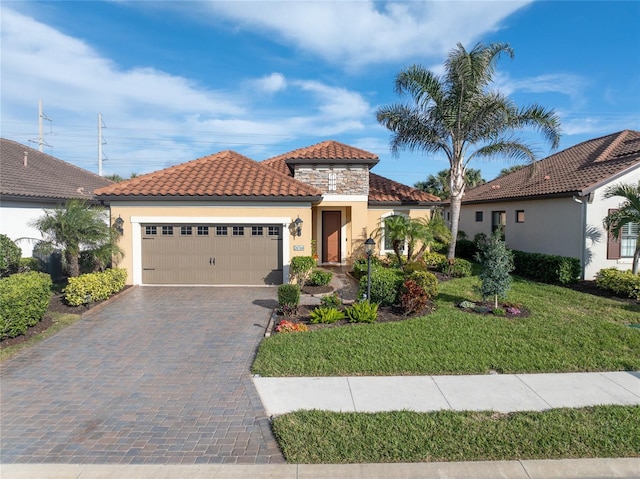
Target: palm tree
(509, 170)
(457, 111)
(627, 215)
(438, 185)
(73, 226)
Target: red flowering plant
(286, 326)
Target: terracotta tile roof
(223, 175)
(43, 177)
(576, 170)
(328, 151)
(384, 190)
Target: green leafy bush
(458, 268)
(385, 283)
(24, 298)
(623, 283)
(466, 249)
(300, 268)
(418, 265)
(29, 264)
(360, 266)
(10, 254)
(546, 268)
(426, 281)
(362, 312)
(413, 297)
(93, 287)
(320, 277)
(331, 300)
(288, 298)
(325, 315)
(434, 260)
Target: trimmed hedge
(10, 254)
(24, 298)
(385, 284)
(546, 268)
(91, 287)
(459, 268)
(622, 283)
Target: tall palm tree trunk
(457, 192)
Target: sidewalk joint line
(616, 383)
(351, 394)
(524, 468)
(533, 390)
(441, 393)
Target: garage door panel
(211, 259)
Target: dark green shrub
(385, 283)
(418, 265)
(325, 315)
(92, 287)
(546, 268)
(426, 281)
(331, 301)
(289, 295)
(413, 297)
(10, 254)
(434, 260)
(360, 266)
(300, 268)
(320, 277)
(29, 264)
(362, 312)
(458, 268)
(622, 283)
(466, 249)
(24, 298)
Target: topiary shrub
(385, 283)
(434, 260)
(325, 315)
(24, 299)
(546, 268)
(426, 281)
(457, 268)
(300, 268)
(622, 283)
(92, 287)
(10, 254)
(413, 297)
(288, 298)
(320, 277)
(362, 312)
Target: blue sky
(178, 80)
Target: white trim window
(385, 244)
(628, 239)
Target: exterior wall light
(297, 230)
(118, 224)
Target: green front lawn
(566, 331)
(603, 431)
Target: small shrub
(326, 315)
(360, 266)
(24, 299)
(427, 281)
(362, 312)
(418, 265)
(93, 287)
(622, 283)
(498, 311)
(413, 297)
(546, 268)
(385, 283)
(466, 249)
(331, 301)
(482, 309)
(457, 268)
(434, 260)
(466, 304)
(286, 326)
(29, 264)
(288, 298)
(300, 268)
(10, 254)
(513, 310)
(320, 277)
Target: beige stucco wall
(209, 212)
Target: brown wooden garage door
(211, 254)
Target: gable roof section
(43, 177)
(327, 152)
(223, 175)
(384, 191)
(575, 171)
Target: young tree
(74, 226)
(627, 215)
(458, 111)
(497, 263)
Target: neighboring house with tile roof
(227, 219)
(32, 181)
(557, 206)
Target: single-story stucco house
(227, 219)
(32, 181)
(557, 206)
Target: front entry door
(331, 238)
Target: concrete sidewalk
(628, 468)
(499, 392)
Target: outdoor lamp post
(369, 246)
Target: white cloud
(272, 83)
(356, 33)
(567, 84)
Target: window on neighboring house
(333, 180)
(628, 239)
(498, 221)
(519, 216)
(479, 216)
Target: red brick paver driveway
(160, 375)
